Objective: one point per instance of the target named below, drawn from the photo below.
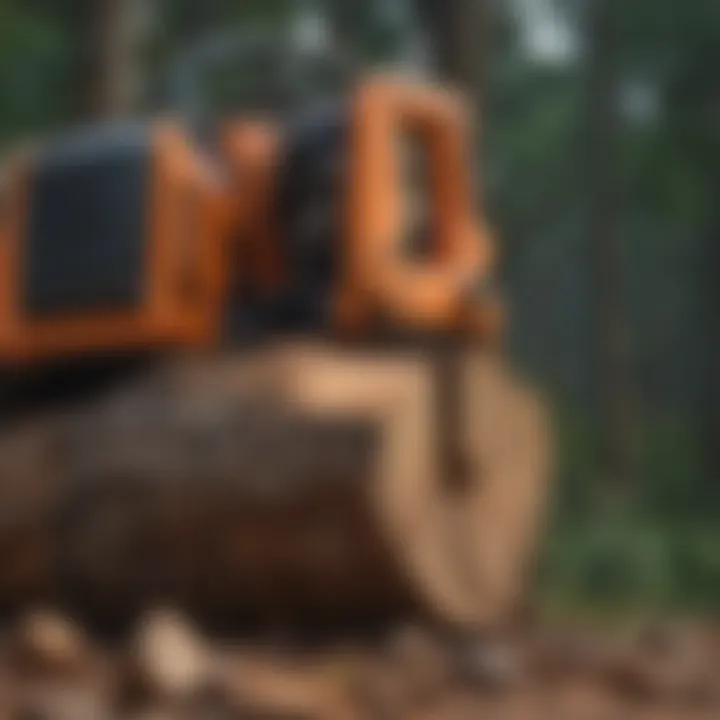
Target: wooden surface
(293, 483)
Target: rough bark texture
(295, 484)
(457, 31)
(113, 35)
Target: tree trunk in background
(711, 399)
(357, 33)
(345, 19)
(114, 32)
(612, 350)
(458, 37)
(199, 17)
(456, 31)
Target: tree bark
(457, 31)
(711, 400)
(114, 32)
(612, 350)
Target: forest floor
(168, 670)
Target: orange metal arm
(428, 294)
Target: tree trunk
(113, 35)
(345, 19)
(458, 37)
(612, 351)
(351, 24)
(457, 34)
(711, 395)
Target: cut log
(294, 483)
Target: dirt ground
(167, 669)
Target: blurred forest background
(599, 161)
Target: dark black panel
(312, 188)
(88, 215)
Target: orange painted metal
(183, 294)
(376, 280)
(379, 282)
(206, 233)
(252, 150)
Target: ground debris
(48, 644)
(170, 669)
(168, 660)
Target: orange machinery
(131, 237)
